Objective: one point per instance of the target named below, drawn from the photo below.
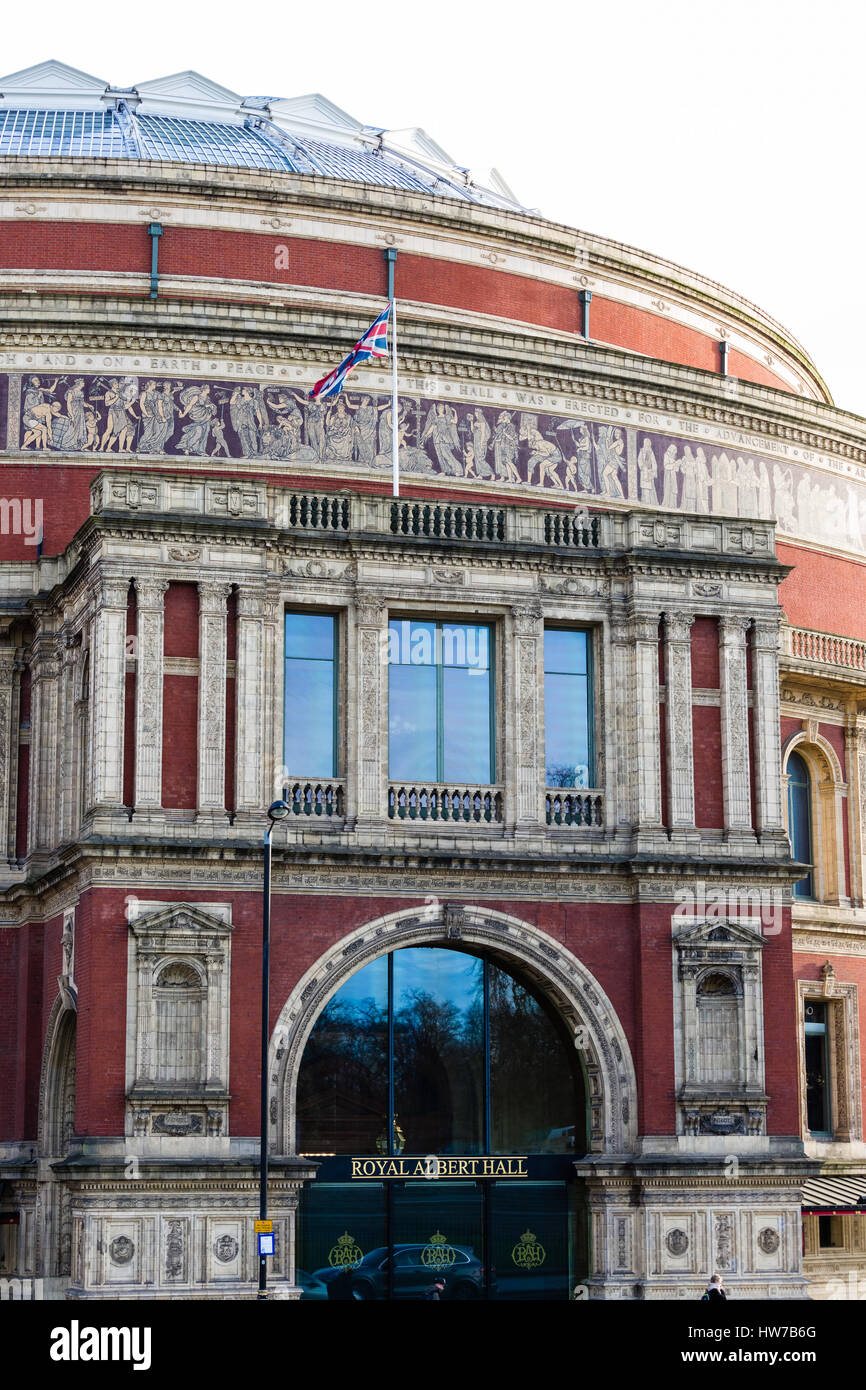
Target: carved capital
(765, 634)
(645, 627)
(149, 592)
(527, 618)
(113, 592)
(678, 627)
(250, 605)
(212, 597)
(371, 610)
(733, 627)
(620, 630)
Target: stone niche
(178, 1023)
(719, 1030)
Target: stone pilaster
(66, 781)
(525, 790)
(149, 666)
(258, 687)
(644, 721)
(107, 687)
(855, 768)
(8, 749)
(212, 698)
(45, 682)
(371, 702)
(735, 726)
(623, 724)
(766, 720)
(273, 698)
(678, 722)
(249, 682)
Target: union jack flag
(373, 343)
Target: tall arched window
(443, 1099)
(800, 820)
(466, 1056)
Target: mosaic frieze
(158, 418)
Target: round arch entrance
(445, 1080)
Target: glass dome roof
(54, 111)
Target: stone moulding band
(524, 445)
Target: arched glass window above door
(465, 1056)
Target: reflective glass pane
(310, 635)
(465, 646)
(341, 1236)
(439, 1051)
(529, 1253)
(565, 651)
(439, 702)
(533, 1078)
(411, 644)
(566, 731)
(800, 820)
(343, 1083)
(466, 705)
(438, 1235)
(412, 723)
(310, 718)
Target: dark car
(311, 1286)
(412, 1274)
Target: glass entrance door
(470, 1240)
(432, 1055)
(529, 1241)
(437, 1231)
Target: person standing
(714, 1293)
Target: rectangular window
(568, 733)
(310, 721)
(830, 1233)
(817, 1076)
(440, 702)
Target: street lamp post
(278, 810)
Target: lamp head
(278, 810)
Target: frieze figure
(505, 448)
(480, 431)
(609, 447)
(227, 420)
(200, 409)
(671, 472)
(36, 414)
(647, 468)
(441, 429)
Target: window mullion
(440, 704)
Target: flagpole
(395, 443)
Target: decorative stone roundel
(768, 1240)
(121, 1250)
(225, 1249)
(677, 1241)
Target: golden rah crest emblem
(528, 1253)
(437, 1254)
(345, 1254)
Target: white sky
(727, 136)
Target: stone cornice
(631, 545)
(295, 193)
(523, 359)
(407, 874)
